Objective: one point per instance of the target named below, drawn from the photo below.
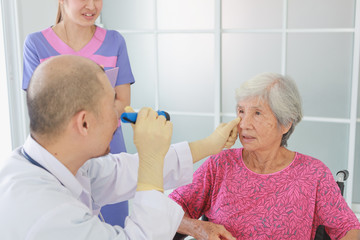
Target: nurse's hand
(152, 137)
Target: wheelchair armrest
(179, 236)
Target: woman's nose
(245, 121)
(90, 4)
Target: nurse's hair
(59, 88)
(59, 15)
(282, 95)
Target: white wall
(35, 15)
(20, 18)
(5, 139)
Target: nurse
(75, 33)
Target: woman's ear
(286, 128)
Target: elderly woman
(264, 190)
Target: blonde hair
(59, 15)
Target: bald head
(59, 88)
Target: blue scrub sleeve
(125, 74)
(30, 61)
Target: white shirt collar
(54, 166)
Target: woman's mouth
(247, 138)
(89, 15)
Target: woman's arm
(123, 95)
(30, 61)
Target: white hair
(282, 95)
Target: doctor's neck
(64, 150)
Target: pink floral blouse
(288, 204)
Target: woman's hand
(212, 231)
(352, 235)
(203, 230)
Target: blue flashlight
(131, 117)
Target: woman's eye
(257, 113)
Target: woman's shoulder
(229, 152)
(228, 155)
(309, 163)
(303, 158)
(111, 33)
(38, 34)
(37, 39)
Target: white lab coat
(36, 204)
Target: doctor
(54, 185)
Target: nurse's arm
(123, 95)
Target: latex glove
(152, 137)
(224, 136)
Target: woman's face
(81, 12)
(258, 129)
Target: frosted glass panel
(30, 20)
(141, 52)
(327, 142)
(252, 13)
(128, 138)
(186, 68)
(321, 66)
(244, 56)
(186, 14)
(321, 13)
(123, 14)
(191, 128)
(356, 189)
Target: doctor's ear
(81, 122)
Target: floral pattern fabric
(288, 204)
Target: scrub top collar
(56, 168)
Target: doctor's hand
(224, 136)
(152, 137)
